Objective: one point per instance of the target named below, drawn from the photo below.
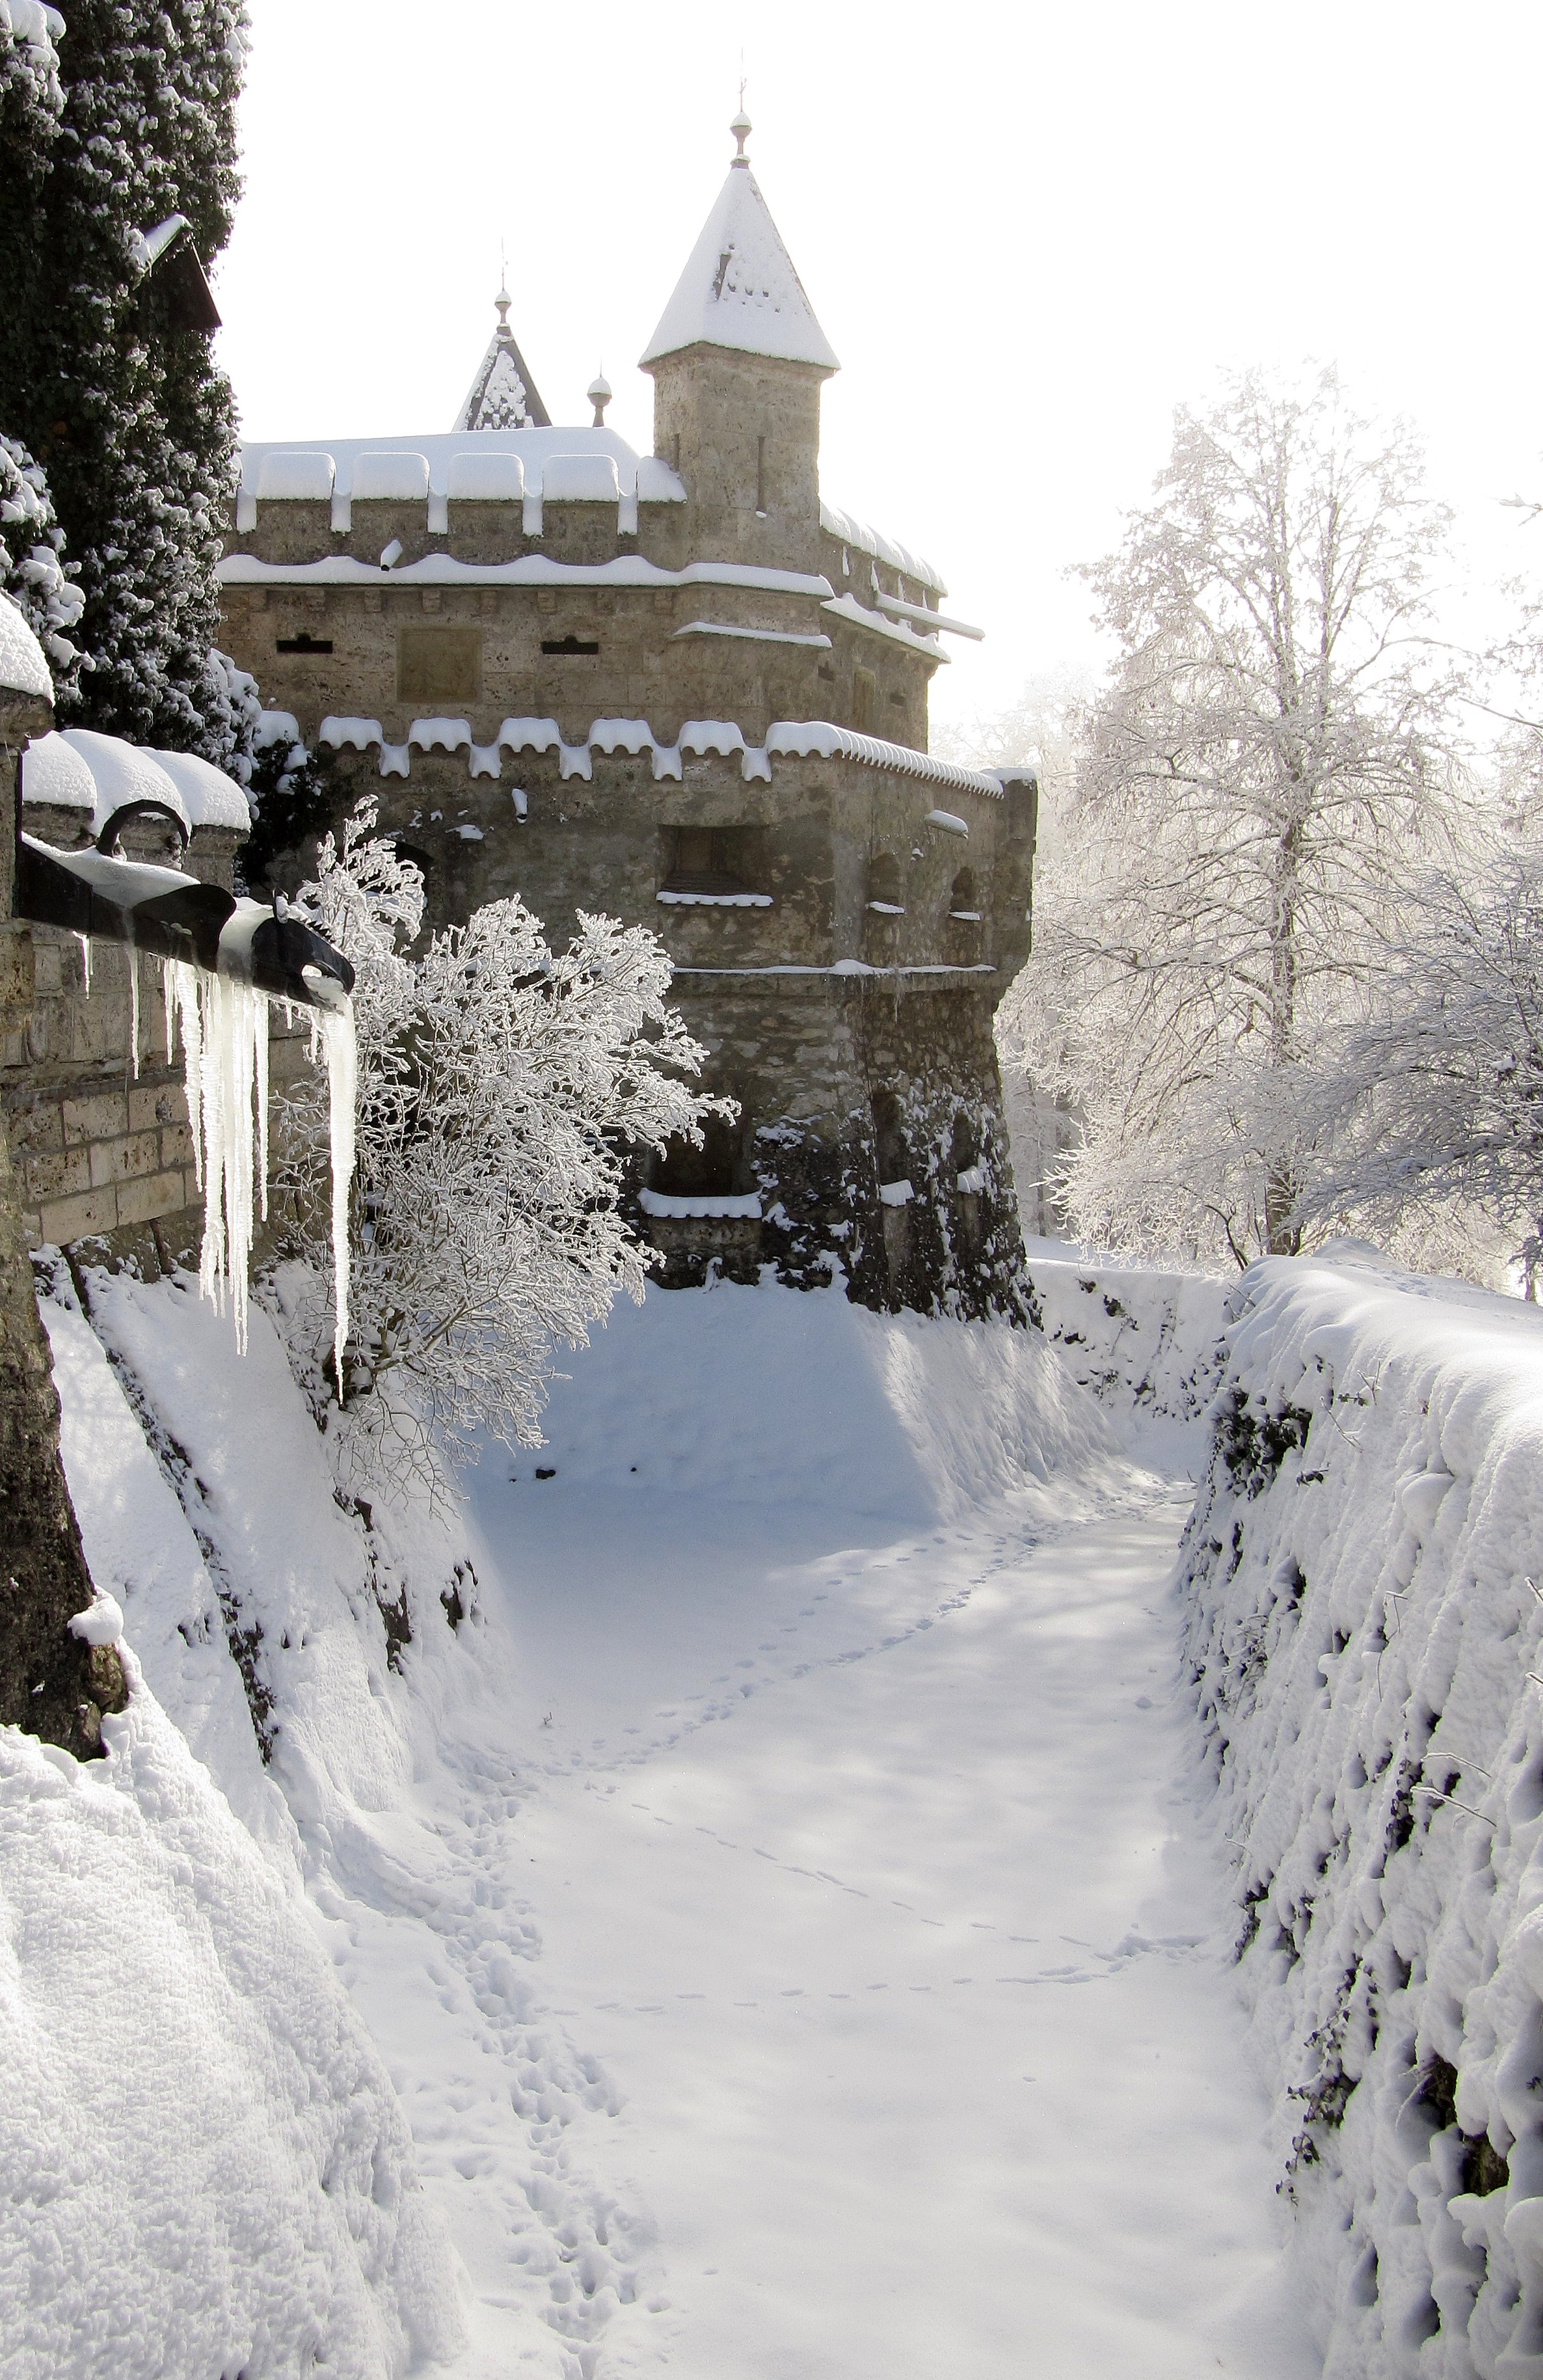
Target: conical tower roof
(503, 396)
(739, 288)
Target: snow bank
(769, 1395)
(206, 2168)
(1367, 1643)
(1142, 1339)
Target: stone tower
(737, 363)
(684, 689)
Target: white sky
(1027, 232)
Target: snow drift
(205, 2167)
(1367, 1641)
(770, 1396)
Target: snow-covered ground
(782, 1902)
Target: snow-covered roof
(503, 396)
(76, 769)
(22, 667)
(739, 288)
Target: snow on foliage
(1439, 1096)
(1364, 1627)
(500, 1084)
(115, 397)
(33, 572)
(1271, 764)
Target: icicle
(84, 941)
(336, 1032)
(224, 1041)
(134, 1010)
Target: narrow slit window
(761, 477)
(570, 645)
(304, 643)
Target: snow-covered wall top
(327, 467)
(527, 570)
(1363, 1570)
(800, 738)
(863, 539)
(76, 769)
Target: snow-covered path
(863, 1862)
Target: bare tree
(1271, 754)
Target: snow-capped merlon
(739, 288)
(972, 1182)
(391, 475)
(76, 769)
(439, 735)
(445, 466)
(857, 534)
(895, 1194)
(745, 1209)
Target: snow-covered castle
(683, 689)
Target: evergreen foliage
(33, 571)
(128, 412)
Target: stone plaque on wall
(438, 664)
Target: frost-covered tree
(1437, 1099)
(33, 571)
(100, 376)
(500, 1085)
(1270, 756)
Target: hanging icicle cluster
(224, 1024)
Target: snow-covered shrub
(287, 789)
(1364, 1635)
(500, 1084)
(33, 572)
(232, 715)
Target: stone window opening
(962, 924)
(864, 700)
(303, 644)
(760, 479)
(892, 1159)
(968, 1181)
(714, 865)
(716, 1169)
(570, 644)
(884, 887)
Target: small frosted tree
(500, 1086)
(1270, 756)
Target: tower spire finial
(741, 128)
(501, 301)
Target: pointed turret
(737, 361)
(740, 288)
(503, 396)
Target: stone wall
(50, 1683)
